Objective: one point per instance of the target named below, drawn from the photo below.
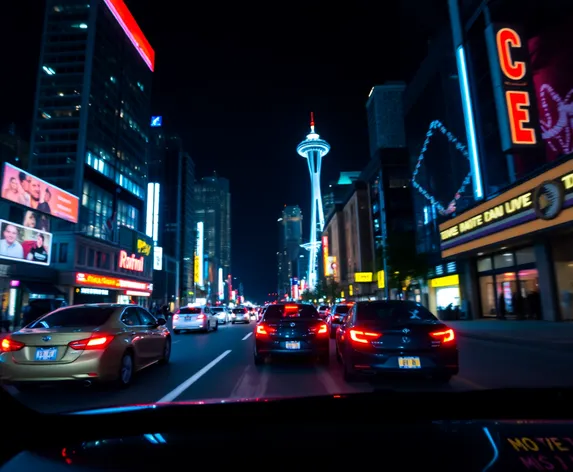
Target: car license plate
(293, 345)
(46, 354)
(409, 363)
(187, 318)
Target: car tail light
(91, 344)
(201, 317)
(264, 330)
(444, 335)
(321, 328)
(363, 337)
(11, 345)
(175, 317)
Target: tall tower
(313, 149)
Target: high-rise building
(337, 191)
(213, 220)
(173, 278)
(90, 137)
(290, 240)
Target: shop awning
(41, 288)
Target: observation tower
(313, 149)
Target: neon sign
(130, 27)
(130, 262)
(517, 115)
(95, 280)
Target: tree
(403, 261)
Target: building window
(127, 215)
(63, 255)
(97, 209)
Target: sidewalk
(546, 334)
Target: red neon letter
(507, 39)
(518, 110)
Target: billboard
(19, 243)
(21, 187)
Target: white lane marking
(246, 336)
(191, 380)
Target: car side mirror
(161, 321)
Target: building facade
(90, 137)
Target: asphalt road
(219, 365)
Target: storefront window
(506, 286)
(501, 261)
(484, 264)
(525, 256)
(529, 291)
(563, 259)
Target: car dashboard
(386, 430)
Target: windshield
(190, 311)
(392, 162)
(75, 317)
(278, 312)
(394, 311)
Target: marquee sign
(544, 199)
(95, 280)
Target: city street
(219, 365)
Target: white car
(240, 315)
(195, 318)
(222, 314)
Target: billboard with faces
(24, 244)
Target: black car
(337, 316)
(396, 336)
(291, 329)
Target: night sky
(238, 80)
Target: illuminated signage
(25, 189)
(130, 262)
(380, 279)
(221, 284)
(363, 277)
(515, 98)
(327, 268)
(156, 121)
(95, 280)
(542, 202)
(23, 244)
(143, 247)
(196, 266)
(130, 27)
(200, 249)
(92, 291)
(136, 293)
(157, 258)
(152, 211)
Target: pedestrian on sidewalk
(501, 307)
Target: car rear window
(342, 309)
(190, 311)
(395, 311)
(323, 308)
(217, 309)
(75, 317)
(238, 311)
(277, 312)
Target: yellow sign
(143, 247)
(350, 290)
(446, 281)
(196, 269)
(362, 277)
(381, 279)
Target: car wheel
(176, 331)
(338, 356)
(443, 378)
(349, 376)
(166, 352)
(259, 360)
(126, 370)
(324, 359)
(216, 325)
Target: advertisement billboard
(21, 187)
(19, 243)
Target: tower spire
(312, 122)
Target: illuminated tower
(313, 149)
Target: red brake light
(201, 317)
(445, 335)
(91, 344)
(263, 330)
(10, 345)
(322, 329)
(363, 337)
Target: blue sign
(156, 121)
